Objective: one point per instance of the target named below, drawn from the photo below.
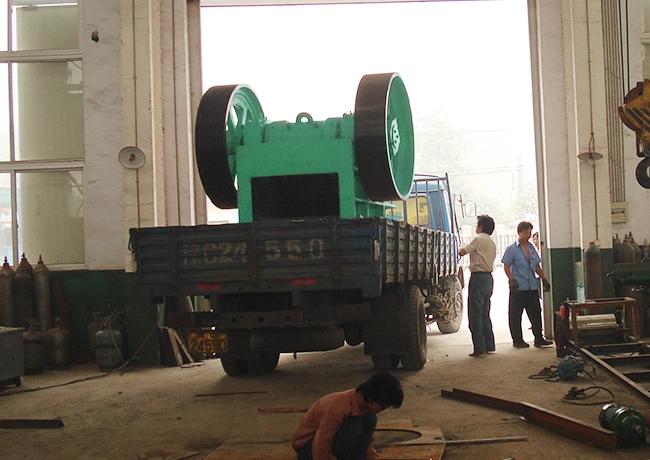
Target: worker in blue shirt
(522, 266)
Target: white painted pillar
(159, 68)
(586, 112)
(570, 105)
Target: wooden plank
(176, 352)
(181, 343)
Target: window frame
(13, 166)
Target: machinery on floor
(335, 242)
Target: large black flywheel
(383, 137)
(223, 112)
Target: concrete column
(569, 103)
(586, 113)
(158, 79)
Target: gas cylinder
(108, 348)
(638, 255)
(7, 309)
(58, 347)
(23, 297)
(593, 272)
(25, 264)
(42, 295)
(94, 326)
(616, 249)
(34, 342)
(645, 250)
(627, 250)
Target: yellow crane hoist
(635, 114)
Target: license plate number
(207, 342)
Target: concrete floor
(123, 417)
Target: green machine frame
(347, 167)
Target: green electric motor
(345, 167)
(627, 423)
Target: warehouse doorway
(466, 66)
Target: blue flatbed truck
(302, 285)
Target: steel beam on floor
(557, 423)
(618, 348)
(636, 360)
(30, 423)
(638, 389)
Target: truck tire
(385, 363)
(415, 354)
(263, 364)
(234, 366)
(453, 323)
(353, 334)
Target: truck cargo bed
(286, 255)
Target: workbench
(572, 309)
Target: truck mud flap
(296, 340)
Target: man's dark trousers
(481, 285)
(350, 441)
(518, 302)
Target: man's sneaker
(543, 343)
(478, 354)
(520, 345)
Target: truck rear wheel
(234, 366)
(353, 334)
(263, 364)
(456, 314)
(415, 353)
(385, 363)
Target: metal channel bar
(636, 360)
(627, 381)
(556, 423)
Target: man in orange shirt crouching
(339, 426)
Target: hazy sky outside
(468, 60)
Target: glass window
(4, 26)
(41, 121)
(50, 216)
(5, 139)
(48, 111)
(44, 25)
(6, 243)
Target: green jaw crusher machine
(346, 167)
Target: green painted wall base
(106, 291)
(566, 269)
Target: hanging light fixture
(590, 154)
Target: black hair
(382, 388)
(486, 222)
(523, 226)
